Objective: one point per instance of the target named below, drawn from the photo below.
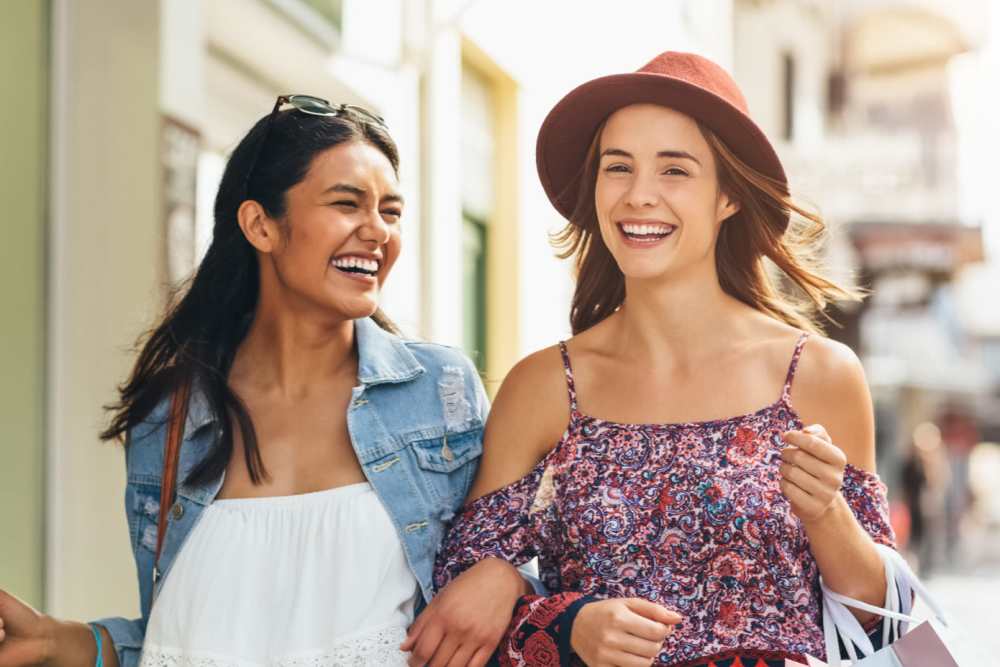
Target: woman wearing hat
(659, 462)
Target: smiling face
(657, 197)
(340, 235)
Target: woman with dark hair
(675, 520)
(291, 460)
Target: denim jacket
(415, 421)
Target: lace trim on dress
(380, 647)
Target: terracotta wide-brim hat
(685, 82)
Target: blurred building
(862, 98)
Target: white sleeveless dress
(314, 580)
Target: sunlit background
(118, 116)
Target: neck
(288, 352)
(680, 317)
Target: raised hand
(812, 472)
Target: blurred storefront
(863, 95)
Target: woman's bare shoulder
(528, 418)
(535, 394)
(830, 389)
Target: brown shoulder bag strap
(175, 433)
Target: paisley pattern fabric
(688, 515)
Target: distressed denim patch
(149, 537)
(451, 390)
(151, 507)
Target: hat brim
(568, 130)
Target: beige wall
(105, 266)
(24, 74)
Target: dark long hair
(196, 339)
(760, 262)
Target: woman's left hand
(464, 623)
(812, 472)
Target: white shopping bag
(932, 643)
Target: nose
(642, 191)
(375, 229)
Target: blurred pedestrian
(960, 436)
(935, 475)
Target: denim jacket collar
(383, 357)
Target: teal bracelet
(100, 648)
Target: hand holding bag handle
(171, 455)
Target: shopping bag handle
(838, 621)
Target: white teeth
(646, 230)
(366, 265)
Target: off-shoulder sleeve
(511, 523)
(540, 631)
(866, 496)
(517, 523)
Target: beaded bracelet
(100, 648)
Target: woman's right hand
(625, 632)
(27, 637)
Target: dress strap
(570, 385)
(786, 391)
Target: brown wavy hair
(760, 261)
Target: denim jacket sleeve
(127, 634)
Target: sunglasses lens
(311, 105)
(320, 107)
(365, 112)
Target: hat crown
(698, 71)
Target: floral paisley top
(688, 515)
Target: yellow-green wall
(502, 263)
(24, 68)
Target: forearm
(74, 646)
(846, 556)
(499, 568)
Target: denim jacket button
(177, 511)
(446, 452)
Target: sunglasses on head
(314, 106)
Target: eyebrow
(683, 155)
(361, 192)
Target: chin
(646, 276)
(356, 308)
(645, 270)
